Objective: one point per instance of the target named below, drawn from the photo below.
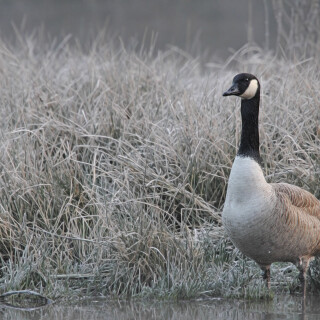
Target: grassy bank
(114, 167)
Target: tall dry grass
(114, 166)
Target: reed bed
(114, 166)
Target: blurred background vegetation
(194, 26)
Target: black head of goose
(247, 86)
(267, 222)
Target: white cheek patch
(251, 90)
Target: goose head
(244, 85)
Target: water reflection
(282, 307)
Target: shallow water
(282, 307)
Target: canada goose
(268, 222)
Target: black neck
(249, 145)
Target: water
(282, 307)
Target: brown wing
(299, 198)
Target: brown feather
(300, 198)
(299, 214)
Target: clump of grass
(114, 167)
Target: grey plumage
(268, 222)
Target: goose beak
(233, 91)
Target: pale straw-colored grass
(114, 166)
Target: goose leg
(302, 278)
(303, 266)
(266, 275)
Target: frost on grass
(114, 167)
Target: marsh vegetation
(114, 165)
